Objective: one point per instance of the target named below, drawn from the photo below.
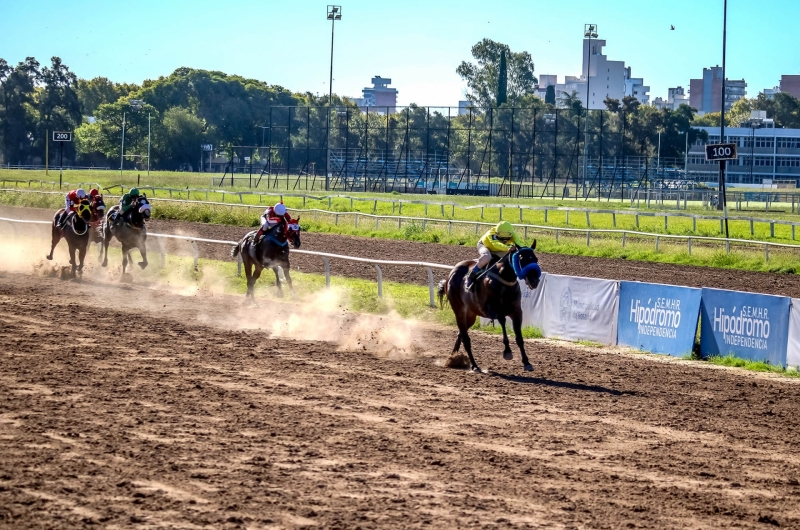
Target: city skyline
(418, 46)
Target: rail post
(637, 220)
(588, 220)
(327, 263)
(624, 237)
(556, 235)
(752, 231)
(666, 223)
(766, 252)
(588, 238)
(694, 223)
(614, 219)
(501, 213)
(658, 240)
(430, 285)
(520, 214)
(772, 229)
(689, 244)
(727, 246)
(380, 281)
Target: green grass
(528, 332)
(589, 343)
(753, 366)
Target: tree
(17, 109)
(571, 101)
(95, 92)
(182, 134)
(550, 95)
(502, 81)
(58, 106)
(612, 104)
(783, 108)
(483, 76)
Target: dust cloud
(319, 316)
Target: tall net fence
(516, 152)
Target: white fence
(326, 257)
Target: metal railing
(326, 257)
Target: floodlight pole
(148, 145)
(589, 32)
(334, 13)
(723, 202)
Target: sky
(417, 43)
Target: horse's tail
(441, 290)
(235, 250)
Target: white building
(606, 78)
(634, 86)
(675, 98)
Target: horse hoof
(104, 264)
(528, 368)
(50, 257)
(142, 264)
(507, 355)
(476, 369)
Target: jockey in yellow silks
(496, 241)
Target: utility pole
(723, 200)
(589, 33)
(334, 14)
(122, 149)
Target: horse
(496, 295)
(271, 252)
(98, 206)
(75, 229)
(129, 229)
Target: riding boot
(473, 275)
(257, 237)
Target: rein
(72, 225)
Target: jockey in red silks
(271, 217)
(72, 200)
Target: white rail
(326, 257)
(546, 209)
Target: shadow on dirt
(559, 384)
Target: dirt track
(615, 269)
(177, 411)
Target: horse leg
(81, 257)
(248, 273)
(56, 239)
(72, 259)
(288, 279)
(106, 240)
(125, 253)
(458, 343)
(463, 328)
(256, 275)
(278, 281)
(143, 251)
(507, 355)
(516, 322)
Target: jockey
(271, 217)
(126, 202)
(100, 208)
(496, 241)
(73, 199)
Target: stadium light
(334, 14)
(589, 32)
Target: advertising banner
(747, 325)
(793, 348)
(532, 304)
(580, 309)
(658, 318)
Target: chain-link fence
(523, 152)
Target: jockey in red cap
(271, 217)
(73, 199)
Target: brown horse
(271, 252)
(75, 229)
(495, 295)
(129, 228)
